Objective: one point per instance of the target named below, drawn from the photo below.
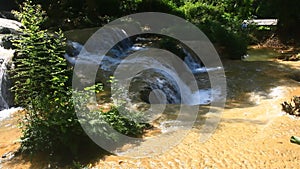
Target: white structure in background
(262, 22)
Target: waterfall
(191, 62)
(6, 99)
(160, 82)
(159, 75)
(6, 55)
(165, 79)
(195, 66)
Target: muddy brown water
(253, 132)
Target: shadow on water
(249, 121)
(249, 81)
(261, 54)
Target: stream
(160, 77)
(256, 87)
(250, 82)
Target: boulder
(73, 48)
(6, 41)
(9, 29)
(4, 30)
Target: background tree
(289, 17)
(219, 19)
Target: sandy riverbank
(248, 136)
(253, 137)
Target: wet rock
(4, 30)
(292, 108)
(154, 87)
(295, 76)
(294, 57)
(72, 51)
(73, 48)
(287, 107)
(7, 43)
(296, 101)
(9, 29)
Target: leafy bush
(94, 119)
(235, 43)
(42, 86)
(221, 25)
(129, 6)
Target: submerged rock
(9, 29)
(292, 108)
(6, 41)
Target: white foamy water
(277, 92)
(204, 69)
(175, 86)
(256, 97)
(191, 62)
(188, 96)
(206, 96)
(4, 114)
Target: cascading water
(191, 62)
(160, 82)
(5, 94)
(194, 66)
(160, 75)
(146, 82)
(6, 98)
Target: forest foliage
(220, 20)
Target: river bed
(253, 132)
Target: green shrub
(128, 122)
(235, 42)
(219, 24)
(165, 6)
(42, 85)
